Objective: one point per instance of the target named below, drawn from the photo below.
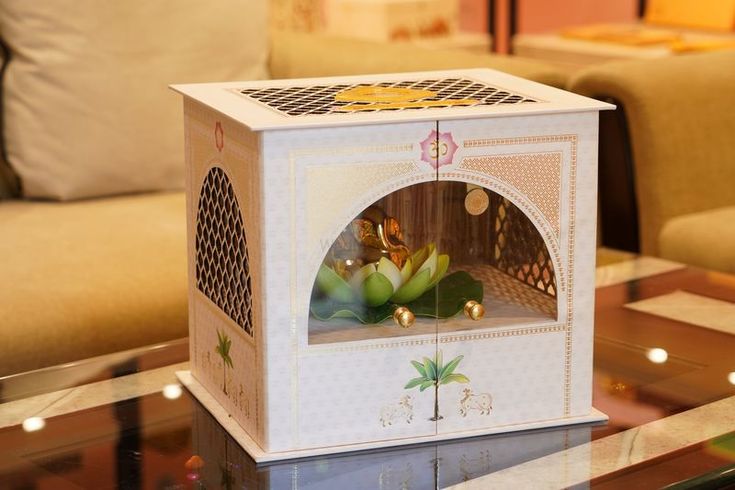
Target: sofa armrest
(680, 119)
(299, 55)
(9, 182)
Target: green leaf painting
(456, 289)
(433, 372)
(223, 350)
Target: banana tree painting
(223, 349)
(435, 373)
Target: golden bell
(404, 317)
(474, 310)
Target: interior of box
(492, 248)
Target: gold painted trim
(422, 104)
(572, 139)
(293, 155)
(432, 339)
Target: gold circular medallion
(476, 201)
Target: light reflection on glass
(32, 424)
(172, 391)
(657, 355)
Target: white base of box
(261, 456)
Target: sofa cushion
(299, 55)
(90, 277)
(681, 123)
(705, 239)
(86, 107)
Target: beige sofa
(85, 278)
(668, 180)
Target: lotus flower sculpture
(379, 290)
(379, 282)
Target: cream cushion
(87, 111)
(87, 278)
(705, 239)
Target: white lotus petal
(391, 271)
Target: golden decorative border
(242, 145)
(573, 140)
(293, 155)
(531, 211)
(495, 332)
(551, 211)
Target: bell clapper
(404, 317)
(474, 310)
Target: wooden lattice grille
(222, 269)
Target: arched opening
(439, 256)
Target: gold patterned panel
(571, 198)
(536, 175)
(338, 187)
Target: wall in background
(543, 15)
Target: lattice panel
(222, 269)
(520, 250)
(323, 99)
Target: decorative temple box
(389, 259)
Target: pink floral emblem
(438, 149)
(219, 136)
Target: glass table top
(668, 386)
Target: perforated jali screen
(222, 269)
(332, 99)
(520, 250)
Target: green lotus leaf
(376, 289)
(414, 288)
(454, 291)
(391, 271)
(331, 284)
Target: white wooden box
(496, 171)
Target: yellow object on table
(630, 35)
(702, 14)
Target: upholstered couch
(91, 276)
(667, 160)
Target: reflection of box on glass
(436, 465)
(390, 259)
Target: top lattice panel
(384, 96)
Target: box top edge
(294, 103)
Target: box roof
(381, 99)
